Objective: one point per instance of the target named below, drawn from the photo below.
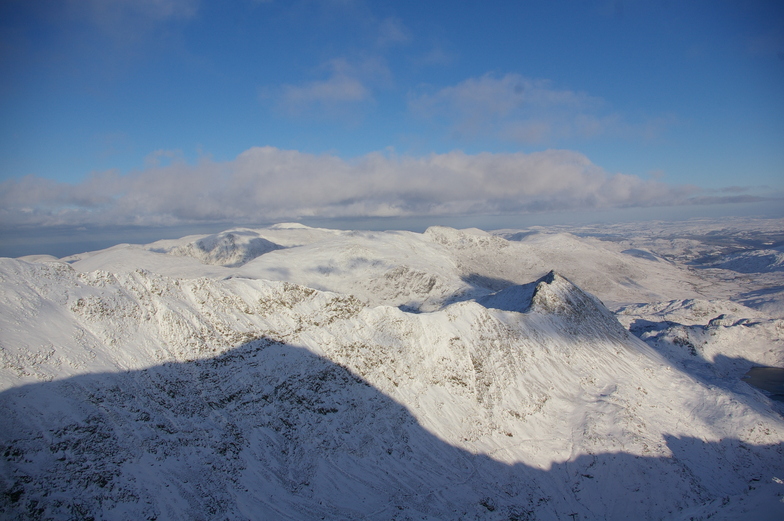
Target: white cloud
(346, 88)
(110, 13)
(437, 55)
(159, 157)
(391, 31)
(338, 88)
(524, 110)
(267, 184)
(123, 26)
(500, 96)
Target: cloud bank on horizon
(266, 184)
(158, 112)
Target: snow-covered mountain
(233, 248)
(421, 271)
(300, 373)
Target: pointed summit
(580, 312)
(551, 293)
(554, 293)
(555, 296)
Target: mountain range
(291, 372)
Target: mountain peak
(577, 310)
(554, 293)
(230, 248)
(551, 293)
(556, 297)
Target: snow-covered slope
(417, 271)
(134, 393)
(231, 249)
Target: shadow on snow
(273, 431)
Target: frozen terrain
(301, 373)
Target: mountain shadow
(272, 431)
(485, 283)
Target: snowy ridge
(230, 249)
(418, 271)
(226, 395)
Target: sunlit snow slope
(299, 373)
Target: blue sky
(168, 112)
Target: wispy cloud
(392, 31)
(338, 88)
(132, 22)
(161, 157)
(346, 88)
(91, 39)
(264, 184)
(524, 110)
(109, 13)
(768, 43)
(437, 55)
